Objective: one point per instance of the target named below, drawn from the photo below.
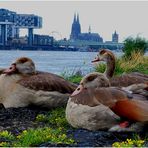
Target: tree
(134, 45)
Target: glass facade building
(11, 23)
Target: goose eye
(91, 78)
(78, 88)
(12, 66)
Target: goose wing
(129, 79)
(47, 82)
(135, 110)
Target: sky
(128, 18)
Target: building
(76, 28)
(115, 37)
(11, 23)
(43, 40)
(77, 35)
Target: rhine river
(57, 62)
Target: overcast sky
(128, 18)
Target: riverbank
(32, 126)
(37, 48)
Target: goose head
(104, 55)
(91, 81)
(22, 65)
(108, 57)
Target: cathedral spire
(115, 37)
(74, 20)
(76, 27)
(89, 29)
(78, 18)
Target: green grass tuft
(75, 79)
(7, 135)
(56, 118)
(135, 142)
(34, 137)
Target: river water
(57, 62)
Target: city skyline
(126, 17)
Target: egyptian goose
(94, 107)
(123, 80)
(84, 111)
(21, 85)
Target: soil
(16, 120)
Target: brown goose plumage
(47, 82)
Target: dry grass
(137, 60)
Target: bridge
(90, 44)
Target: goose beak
(10, 70)
(97, 59)
(79, 89)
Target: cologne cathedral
(77, 35)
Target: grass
(55, 118)
(7, 135)
(135, 142)
(137, 63)
(54, 132)
(33, 137)
(75, 76)
(75, 79)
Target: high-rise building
(11, 23)
(77, 35)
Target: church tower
(115, 37)
(78, 25)
(76, 28)
(89, 29)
